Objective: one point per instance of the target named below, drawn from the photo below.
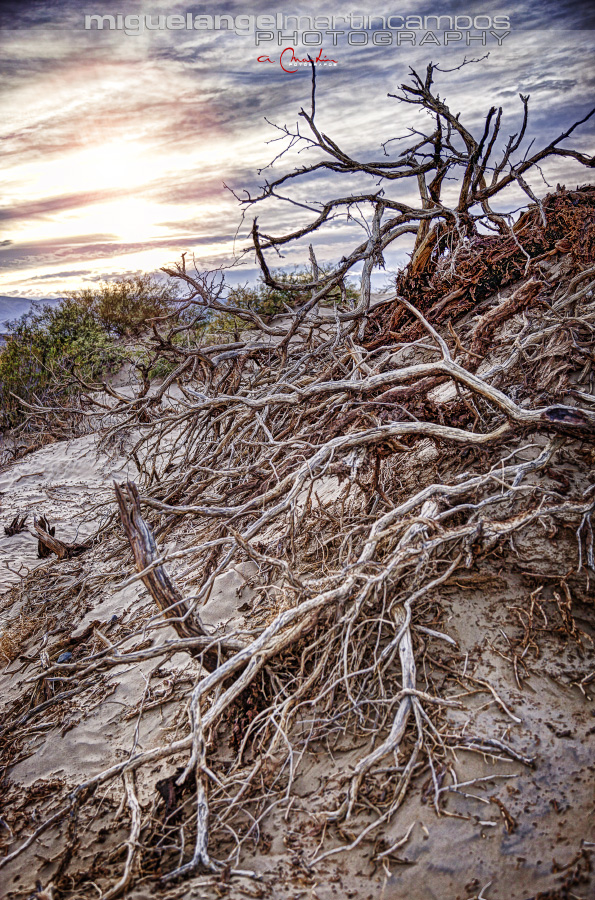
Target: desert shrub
(83, 334)
(43, 348)
(123, 307)
(150, 365)
(268, 301)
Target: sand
(521, 829)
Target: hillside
(317, 616)
(14, 307)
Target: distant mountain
(14, 307)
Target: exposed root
(360, 481)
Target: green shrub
(78, 335)
(42, 349)
(124, 306)
(268, 301)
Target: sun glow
(122, 205)
(117, 164)
(130, 219)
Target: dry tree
(289, 447)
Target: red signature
(288, 58)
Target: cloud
(194, 104)
(92, 247)
(68, 273)
(45, 206)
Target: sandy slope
(68, 483)
(521, 829)
(549, 719)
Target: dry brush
(299, 447)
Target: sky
(119, 149)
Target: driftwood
(483, 331)
(16, 526)
(48, 543)
(487, 264)
(44, 531)
(156, 579)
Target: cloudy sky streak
(115, 147)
